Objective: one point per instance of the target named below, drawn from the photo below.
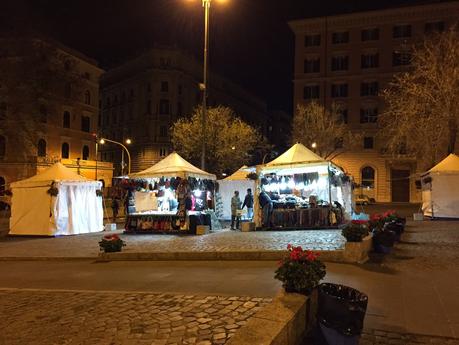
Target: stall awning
(173, 166)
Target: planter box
(357, 252)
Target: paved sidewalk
(34, 317)
(86, 246)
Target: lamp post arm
(125, 148)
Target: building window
(368, 142)
(312, 40)
(85, 152)
(370, 60)
(368, 177)
(164, 86)
(66, 120)
(41, 148)
(162, 152)
(340, 37)
(2, 146)
(2, 185)
(164, 107)
(369, 115)
(65, 150)
(401, 58)
(339, 143)
(179, 109)
(312, 65)
(122, 115)
(342, 115)
(114, 116)
(340, 63)
(86, 124)
(87, 97)
(311, 92)
(339, 90)
(3, 110)
(163, 131)
(149, 106)
(43, 116)
(369, 88)
(401, 31)
(434, 27)
(370, 34)
(130, 111)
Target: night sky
(250, 41)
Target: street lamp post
(128, 141)
(206, 5)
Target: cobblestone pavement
(378, 337)
(34, 317)
(87, 245)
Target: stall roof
(241, 173)
(448, 165)
(297, 155)
(173, 166)
(57, 172)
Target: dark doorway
(400, 185)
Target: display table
(301, 218)
(165, 222)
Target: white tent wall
(75, 210)
(343, 194)
(226, 190)
(444, 197)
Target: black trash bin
(341, 313)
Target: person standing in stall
(248, 202)
(235, 206)
(267, 206)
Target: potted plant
(300, 270)
(111, 243)
(355, 232)
(383, 240)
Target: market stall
(56, 202)
(440, 189)
(171, 196)
(305, 191)
(238, 181)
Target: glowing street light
(127, 141)
(314, 145)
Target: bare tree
(422, 104)
(331, 136)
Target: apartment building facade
(347, 60)
(49, 98)
(142, 98)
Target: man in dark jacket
(267, 205)
(248, 202)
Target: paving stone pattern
(106, 318)
(226, 240)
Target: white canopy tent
(173, 166)
(76, 209)
(440, 189)
(226, 187)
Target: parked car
(363, 199)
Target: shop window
(65, 150)
(434, 27)
(3, 110)
(312, 65)
(370, 34)
(41, 148)
(368, 177)
(85, 152)
(87, 97)
(311, 92)
(66, 120)
(340, 37)
(164, 107)
(2, 146)
(369, 88)
(401, 58)
(86, 124)
(368, 143)
(339, 90)
(370, 60)
(2, 185)
(401, 31)
(312, 40)
(340, 63)
(164, 86)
